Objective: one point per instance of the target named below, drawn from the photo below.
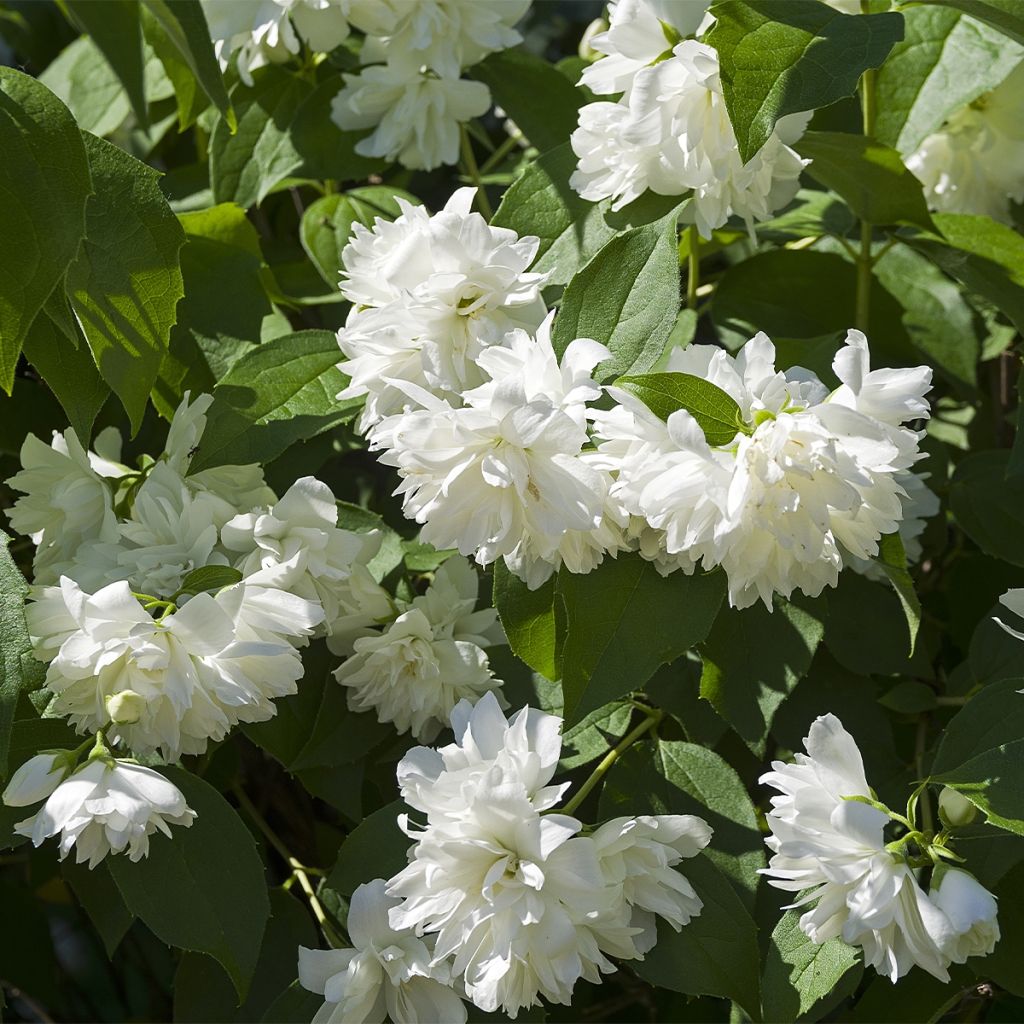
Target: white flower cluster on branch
(503, 899)
(669, 132)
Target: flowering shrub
(511, 511)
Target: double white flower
(670, 132)
(105, 806)
(812, 478)
(429, 293)
(431, 657)
(865, 893)
(521, 903)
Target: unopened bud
(586, 51)
(955, 809)
(125, 708)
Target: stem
(473, 172)
(610, 758)
(693, 270)
(952, 702)
(501, 152)
(864, 260)
(920, 744)
(299, 870)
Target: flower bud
(971, 910)
(35, 780)
(125, 707)
(596, 27)
(955, 809)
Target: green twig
(868, 99)
(473, 172)
(693, 270)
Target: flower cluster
(669, 132)
(828, 838)
(502, 456)
(972, 163)
(503, 899)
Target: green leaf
(945, 61)
(95, 890)
(781, 57)
(224, 305)
(44, 178)
(985, 256)
(55, 347)
(989, 505)
(799, 973)
(626, 297)
(126, 282)
(541, 202)
(595, 735)
(938, 320)
(869, 176)
(623, 620)
(909, 698)
(531, 620)
(209, 577)
(375, 849)
(981, 754)
(281, 392)
(203, 992)
(327, 223)
(715, 411)
(1004, 15)
(295, 1005)
(21, 672)
(82, 79)
(115, 29)
(892, 560)
(203, 888)
(754, 658)
(540, 99)
(686, 778)
(185, 26)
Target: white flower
(386, 972)
(808, 480)
(35, 780)
(640, 854)
(296, 545)
(429, 659)
(671, 134)
(955, 809)
(168, 684)
(971, 909)
(415, 115)
(638, 34)
(973, 163)
(108, 807)
(502, 476)
(446, 35)
(835, 847)
(363, 604)
(66, 502)
(442, 288)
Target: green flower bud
(955, 809)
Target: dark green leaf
(376, 849)
(944, 62)
(981, 754)
(203, 888)
(715, 411)
(115, 29)
(295, 1005)
(909, 698)
(1004, 15)
(595, 735)
(185, 26)
(985, 256)
(780, 57)
(799, 973)
(892, 560)
(530, 619)
(869, 176)
(988, 505)
(626, 297)
(44, 178)
(280, 392)
(327, 223)
(623, 620)
(100, 898)
(126, 282)
(541, 202)
(209, 577)
(21, 671)
(753, 658)
(541, 100)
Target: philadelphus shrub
(492, 497)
